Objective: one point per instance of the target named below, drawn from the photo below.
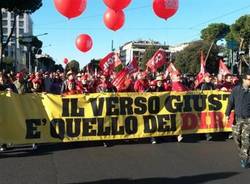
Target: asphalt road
(124, 163)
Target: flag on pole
(223, 70)
(109, 62)
(170, 69)
(200, 76)
(120, 80)
(158, 59)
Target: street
(124, 163)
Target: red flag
(223, 70)
(157, 60)
(120, 80)
(170, 69)
(132, 67)
(200, 75)
(109, 62)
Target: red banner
(157, 60)
(109, 62)
(223, 70)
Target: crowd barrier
(47, 118)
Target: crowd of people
(71, 83)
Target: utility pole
(112, 45)
(1, 39)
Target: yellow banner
(42, 118)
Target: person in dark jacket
(207, 84)
(239, 100)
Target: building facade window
(21, 23)
(21, 31)
(21, 16)
(5, 30)
(5, 14)
(5, 23)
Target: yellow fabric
(43, 118)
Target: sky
(141, 23)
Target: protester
(84, 82)
(176, 82)
(178, 87)
(47, 81)
(56, 85)
(20, 84)
(240, 101)
(207, 84)
(228, 84)
(69, 85)
(141, 84)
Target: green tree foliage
(188, 60)
(215, 32)
(240, 32)
(47, 63)
(73, 65)
(149, 52)
(58, 67)
(94, 63)
(21, 6)
(35, 42)
(17, 7)
(8, 63)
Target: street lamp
(39, 55)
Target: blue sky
(141, 23)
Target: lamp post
(39, 56)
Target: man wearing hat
(176, 82)
(177, 86)
(69, 85)
(104, 85)
(36, 86)
(141, 84)
(159, 84)
(20, 84)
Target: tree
(215, 32)
(46, 63)
(188, 60)
(240, 32)
(58, 67)
(17, 7)
(8, 63)
(73, 65)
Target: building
(137, 49)
(178, 48)
(24, 27)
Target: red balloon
(114, 20)
(117, 4)
(165, 8)
(70, 8)
(84, 42)
(65, 61)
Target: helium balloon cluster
(114, 17)
(72, 9)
